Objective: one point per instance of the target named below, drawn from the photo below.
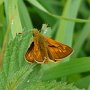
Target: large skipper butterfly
(44, 49)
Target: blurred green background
(70, 24)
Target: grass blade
(77, 65)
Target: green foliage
(64, 19)
(52, 86)
(77, 65)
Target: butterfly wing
(56, 50)
(37, 50)
(34, 53)
(30, 53)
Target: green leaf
(83, 82)
(2, 21)
(81, 39)
(65, 30)
(24, 16)
(1, 1)
(13, 19)
(14, 55)
(2, 81)
(33, 77)
(53, 85)
(38, 5)
(19, 76)
(74, 66)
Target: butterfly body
(43, 49)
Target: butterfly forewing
(56, 50)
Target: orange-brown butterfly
(43, 49)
